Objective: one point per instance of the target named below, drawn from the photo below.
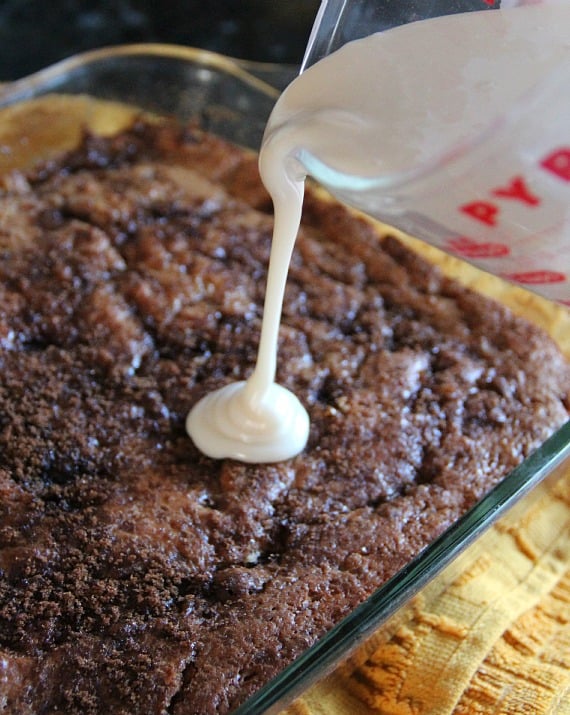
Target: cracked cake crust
(137, 575)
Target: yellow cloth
(495, 638)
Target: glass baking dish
(233, 99)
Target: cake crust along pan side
(42, 127)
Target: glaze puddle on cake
(258, 420)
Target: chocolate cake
(139, 576)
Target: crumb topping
(137, 575)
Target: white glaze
(380, 105)
(258, 420)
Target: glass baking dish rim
(243, 70)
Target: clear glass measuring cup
(340, 21)
(494, 191)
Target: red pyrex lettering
(517, 190)
(558, 162)
(488, 210)
(485, 211)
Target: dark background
(37, 33)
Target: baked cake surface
(139, 576)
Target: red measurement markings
(468, 248)
(536, 277)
